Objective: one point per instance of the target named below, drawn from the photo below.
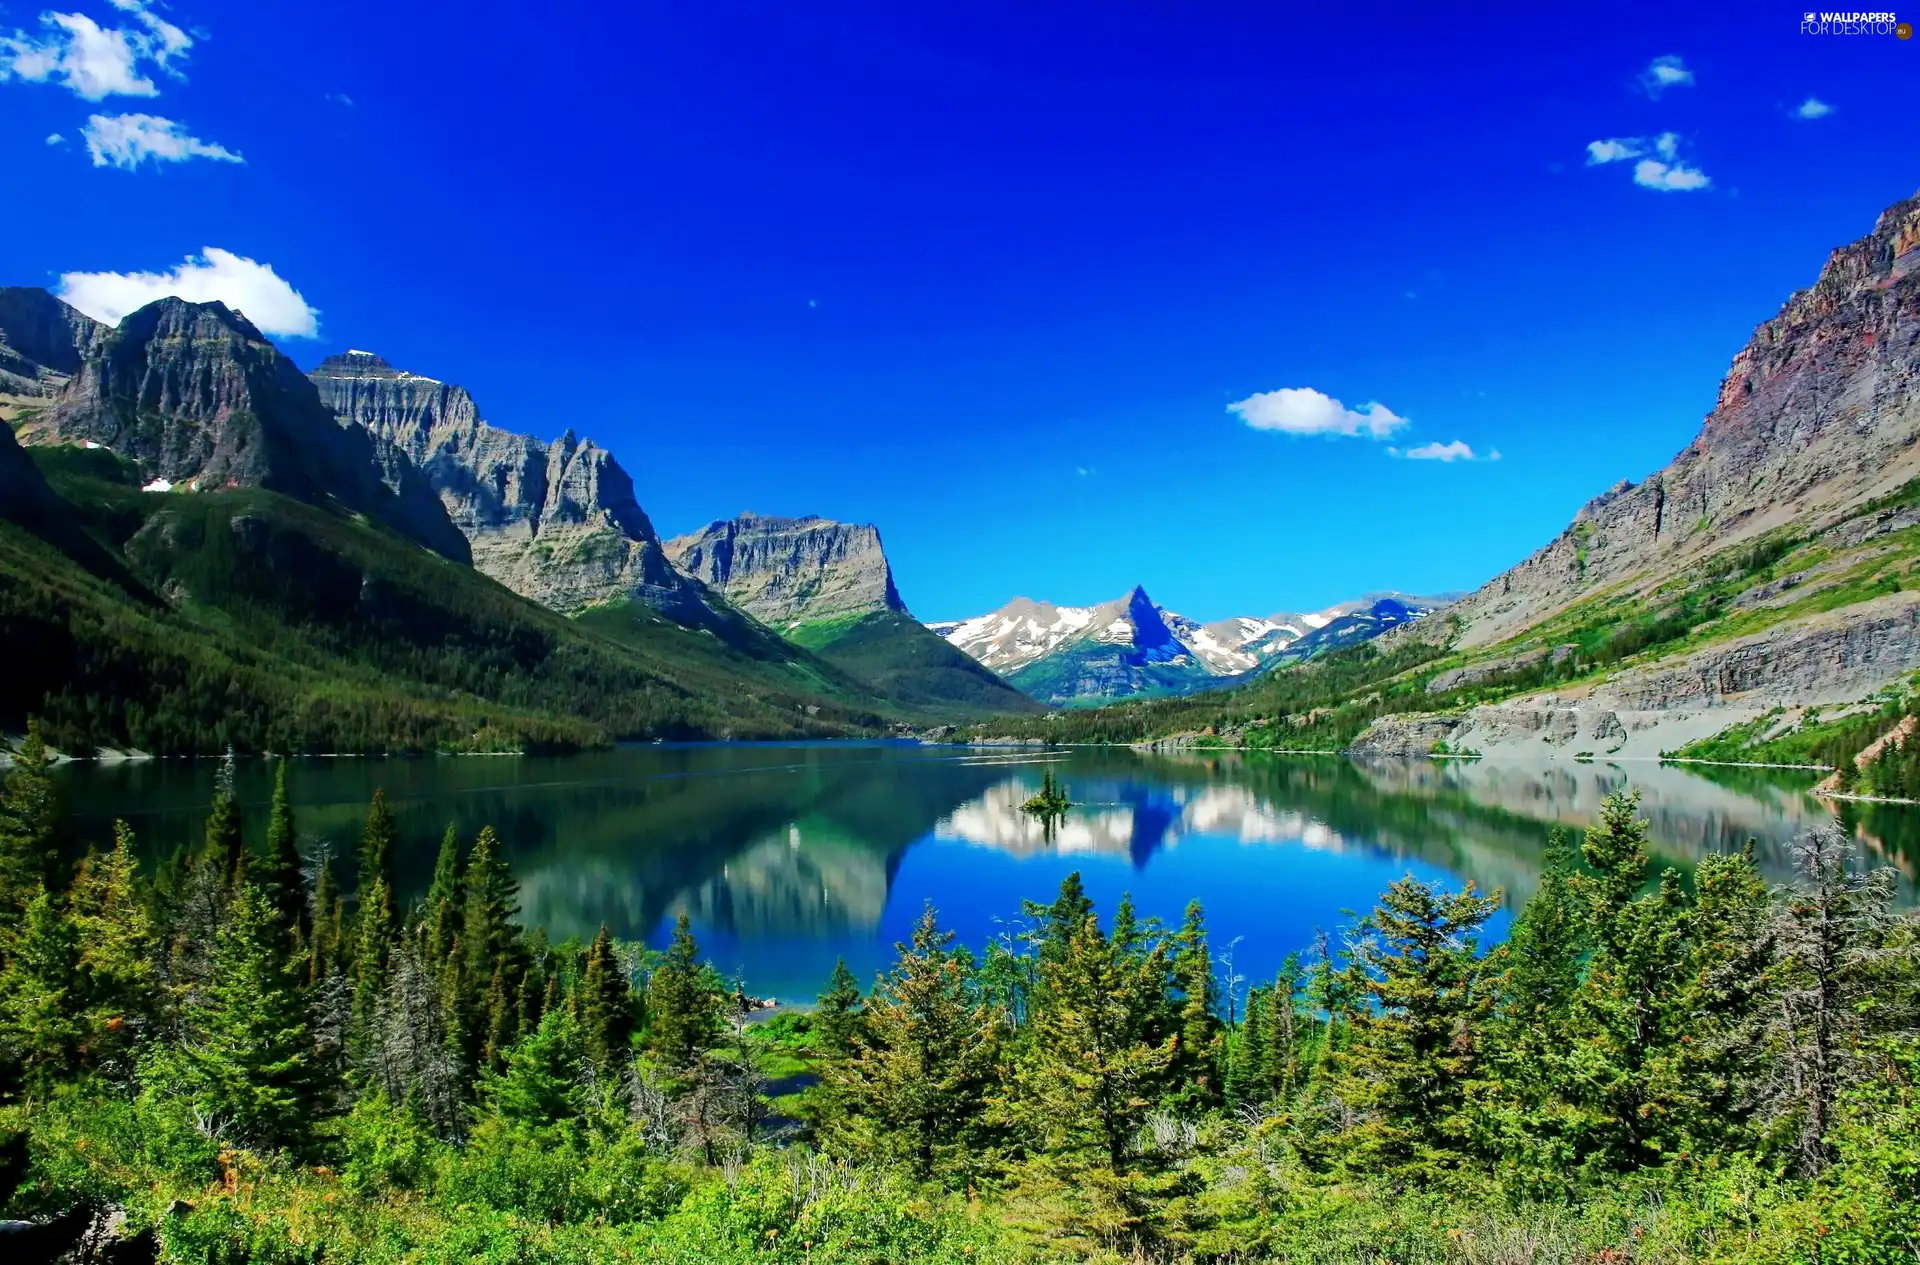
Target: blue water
(786, 857)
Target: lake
(787, 856)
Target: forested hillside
(253, 1055)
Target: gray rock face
(556, 522)
(1818, 414)
(1832, 657)
(42, 342)
(201, 399)
(789, 571)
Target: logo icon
(1904, 30)
(1809, 19)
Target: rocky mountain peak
(789, 571)
(201, 399)
(557, 522)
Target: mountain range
(201, 546)
(1132, 648)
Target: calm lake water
(787, 856)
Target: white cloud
(1812, 108)
(56, 139)
(240, 283)
(1616, 149)
(92, 61)
(1663, 73)
(1305, 411)
(1667, 145)
(1669, 177)
(339, 98)
(126, 140)
(1455, 451)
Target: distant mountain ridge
(1130, 646)
(829, 587)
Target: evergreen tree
(606, 1006)
(115, 947)
(836, 1019)
(325, 917)
(250, 1049)
(927, 1062)
(444, 898)
(1282, 1047)
(489, 906)
(1061, 920)
(1833, 926)
(1624, 1016)
(683, 1004)
(1247, 1061)
(1197, 1062)
(1416, 1043)
(1090, 1076)
(40, 1029)
(540, 1085)
(224, 847)
(281, 880)
(29, 830)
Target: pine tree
(40, 1029)
(606, 1006)
(1833, 926)
(836, 1019)
(225, 848)
(250, 1049)
(324, 916)
(1062, 919)
(927, 1062)
(683, 1005)
(1247, 1061)
(490, 937)
(281, 880)
(29, 830)
(1285, 1039)
(540, 1085)
(1416, 1044)
(115, 946)
(1624, 1015)
(444, 898)
(1089, 1078)
(1197, 1062)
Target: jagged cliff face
(556, 522)
(1818, 414)
(202, 401)
(789, 571)
(42, 342)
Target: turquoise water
(788, 856)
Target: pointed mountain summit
(554, 521)
(1132, 647)
(199, 398)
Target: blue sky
(992, 276)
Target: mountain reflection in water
(788, 856)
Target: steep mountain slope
(557, 522)
(791, 571)
(829, 587)
(198, 397)
(1130, 647)
(42, 342)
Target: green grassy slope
(897, 657)
(184, 622)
